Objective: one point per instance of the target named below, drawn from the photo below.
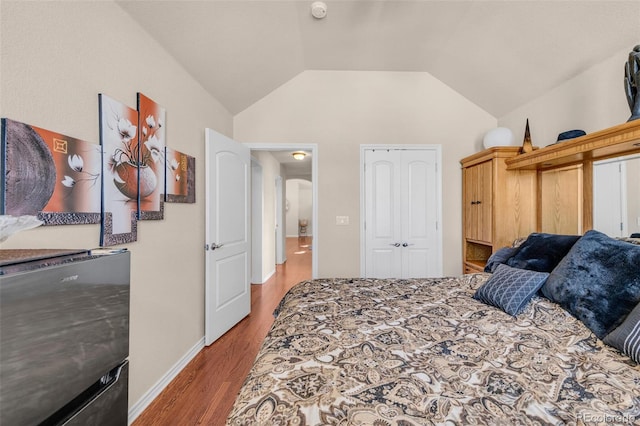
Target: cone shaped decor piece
(527, 146)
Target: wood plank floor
(204, 392)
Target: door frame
(281, 250)
(431, 147)
(257, 206)
(313, 148)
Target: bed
(431, 351)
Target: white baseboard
(265, 279)
(155, 390)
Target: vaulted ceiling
(498, 54)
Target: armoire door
(561, 198)
(478, 184)
(402, 204)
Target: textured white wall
(56, 58)
(591, 101)
(339, 110)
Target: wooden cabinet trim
(623, 139)
(489, 154)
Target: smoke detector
(319, 9)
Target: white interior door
(609, 198)
(402, 205)
(420, 252)
(383, 215)
(227, 229)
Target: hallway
(204, 391)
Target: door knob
(406, 244)
(395, 244)
(213, 246)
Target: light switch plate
(342, 220)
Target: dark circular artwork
(30, 173)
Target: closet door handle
(395, 244)
(407, 244)
(213, 246)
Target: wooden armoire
(498, 205)
(507, 195)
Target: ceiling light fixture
(319, 9)
(299, 155)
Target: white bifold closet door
(401, 213)
(609, 198)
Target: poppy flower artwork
(126, 174)
(50, 175)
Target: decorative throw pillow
(626, 337)
(598, 281)
(510, 289)
(499, 257)
(542, 252)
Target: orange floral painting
(123, 176)
(64, 180)
(180, 177)
(151, 134)
(50, 175)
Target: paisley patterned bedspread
(421, 352)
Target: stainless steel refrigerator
(64, 337)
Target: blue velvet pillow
(542, 252)
(598, 281)
(510, 289)
(626, 337)
(499, 257)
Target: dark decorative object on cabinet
(632, 82)
(527, 146)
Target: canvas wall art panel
(151, 133)
(49, 175)
(180, 177)
(121, 172)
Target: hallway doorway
(279, 165)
